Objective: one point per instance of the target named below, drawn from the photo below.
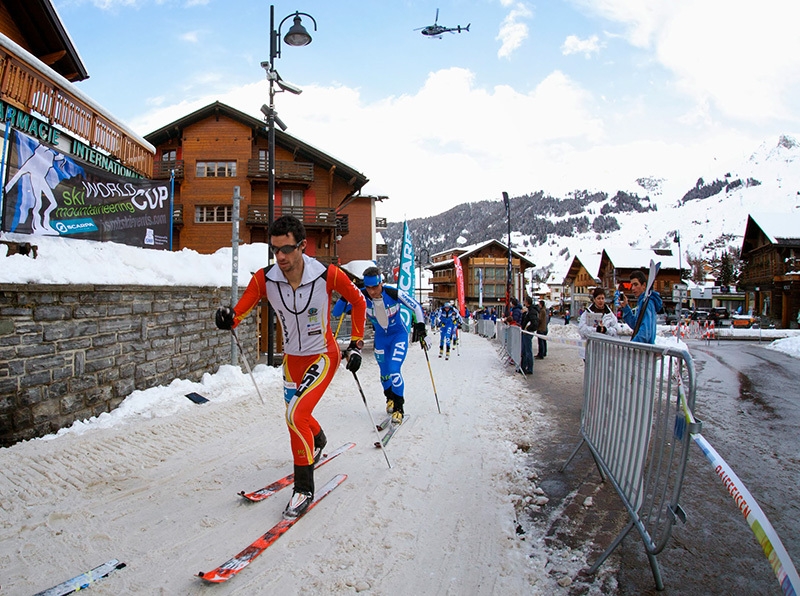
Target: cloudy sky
(555, 95)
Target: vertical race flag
(405, 279)
(460, 286)
(507, 202)
(49, 193)
(480, 287)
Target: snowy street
(158, 490)
(154, 484)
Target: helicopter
(436, 29)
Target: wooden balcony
(312, 217)
(284, 170)
(177, 215)
(24, 86)
(163, 169)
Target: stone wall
(71, 352)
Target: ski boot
(303, 493)
(319, 444)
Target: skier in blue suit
(449, 322)
(391, 335)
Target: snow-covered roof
(634, 258)
(472, 248)
(778, 226)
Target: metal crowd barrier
(485, 328)
(633, 424)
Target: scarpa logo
(75, 226)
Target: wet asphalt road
(748, 398)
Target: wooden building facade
(770, 275)
(217, 148)
(485, 270)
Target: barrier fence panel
(633, 424)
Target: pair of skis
(234, 565)
(393, 428)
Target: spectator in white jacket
(599, 317)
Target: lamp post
(679, 311)
(508, 273)
(419, 262)
(296, 36)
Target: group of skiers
(300, 290)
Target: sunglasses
(285, 249)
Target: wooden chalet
(581, 279)
(770, 275)
(490, 258)
(39, 67)
(217, 148)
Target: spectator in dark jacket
(530, 323)
(544, 318)
(516, 313)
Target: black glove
(419, 332)
(353, 355)
(224, 318)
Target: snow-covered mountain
(710, 216)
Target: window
(216, 169)
(169, 155)
(292, 198)
(263, 159)
(213, 213)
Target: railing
(163, 169)
(284, 170)
(310, 216)
(24, 87)
(634, 425)
(177, 215)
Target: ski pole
(371, 419)
(339, 326)
(247, 366)
(436, 395)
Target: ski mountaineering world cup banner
(405, 280)
(460, 286)
(49, 193)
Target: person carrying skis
(391, 336)
(449, 319)
(299, 289)
(647, 329)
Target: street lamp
(419, 262)
(296, 36)
(677, 238)
(508, 273)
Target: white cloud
(190, 36)
(741, 58)
(575, 45)
(512, 30)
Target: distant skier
(448, 320)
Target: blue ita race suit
(391, 337)
(448, 321)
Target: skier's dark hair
(288, 224)
(372, 271)
(598, 291)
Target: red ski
(268, 491)
(233, 566)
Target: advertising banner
(405, 280)
(49, 193)
(460, 286)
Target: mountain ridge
(710, 217)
